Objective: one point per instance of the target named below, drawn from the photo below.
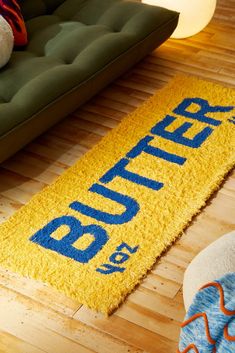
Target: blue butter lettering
(65, 246)
(119, 170)
(177, 135)
(204, 108)
(131, 206)
(143, 146)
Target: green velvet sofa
(76, 47)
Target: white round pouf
(194, 14)
(6, 41)
(210, 264)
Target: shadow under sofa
(76, 48)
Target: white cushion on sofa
(6, 41)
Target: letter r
(204, 108)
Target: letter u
(131, 206)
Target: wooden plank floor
(35, 318)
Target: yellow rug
(95, 232)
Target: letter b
(65, 245)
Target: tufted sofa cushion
(71, 43)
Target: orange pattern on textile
(221, 292)
(191, 346)
(203, 315)
(227, 335)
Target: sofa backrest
(33, 8)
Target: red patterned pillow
(10, 10)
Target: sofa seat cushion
(71, 42)
(68, 46)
